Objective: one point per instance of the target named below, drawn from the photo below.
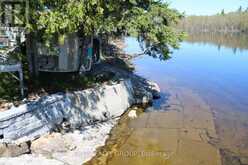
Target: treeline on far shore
(232, 22)
(236, 41)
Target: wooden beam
(10, 68)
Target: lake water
(202, 115)
(215, 69)
(215, 73)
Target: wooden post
(31, 48)
(26, 12)
(2, 16)
(100, 48)
(29, 53)
(21, 82)
(35, 55)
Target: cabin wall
(66, 57)
(69, 54)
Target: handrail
(12, 67)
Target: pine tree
(240, 9)
(149, 20)
(223, 12)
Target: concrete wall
(77, 109)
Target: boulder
(65, 112)
(49, 144)
(13, 150)
(154, 88)
(143, 96)
(132, 114)
(30, 160)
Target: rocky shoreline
(72, 126)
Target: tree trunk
(31, 51)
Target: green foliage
(240, 9)
(149, 20)
(153, 27)
(223, 12)
(9, 86)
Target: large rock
(154, 88)
(30, 160)
(73, 148)
(12, 150)
(53, 143)
(77, 109)
(142, 96)
(66, 112)
(145, 90)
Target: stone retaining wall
(32, 120)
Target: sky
(206, 7)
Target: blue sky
(206, 7)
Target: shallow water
(202, 116)
(219, 76)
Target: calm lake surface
(215, 73)
(215, 68)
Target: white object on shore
(29, 160)
(86, 140)
(132, 114)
